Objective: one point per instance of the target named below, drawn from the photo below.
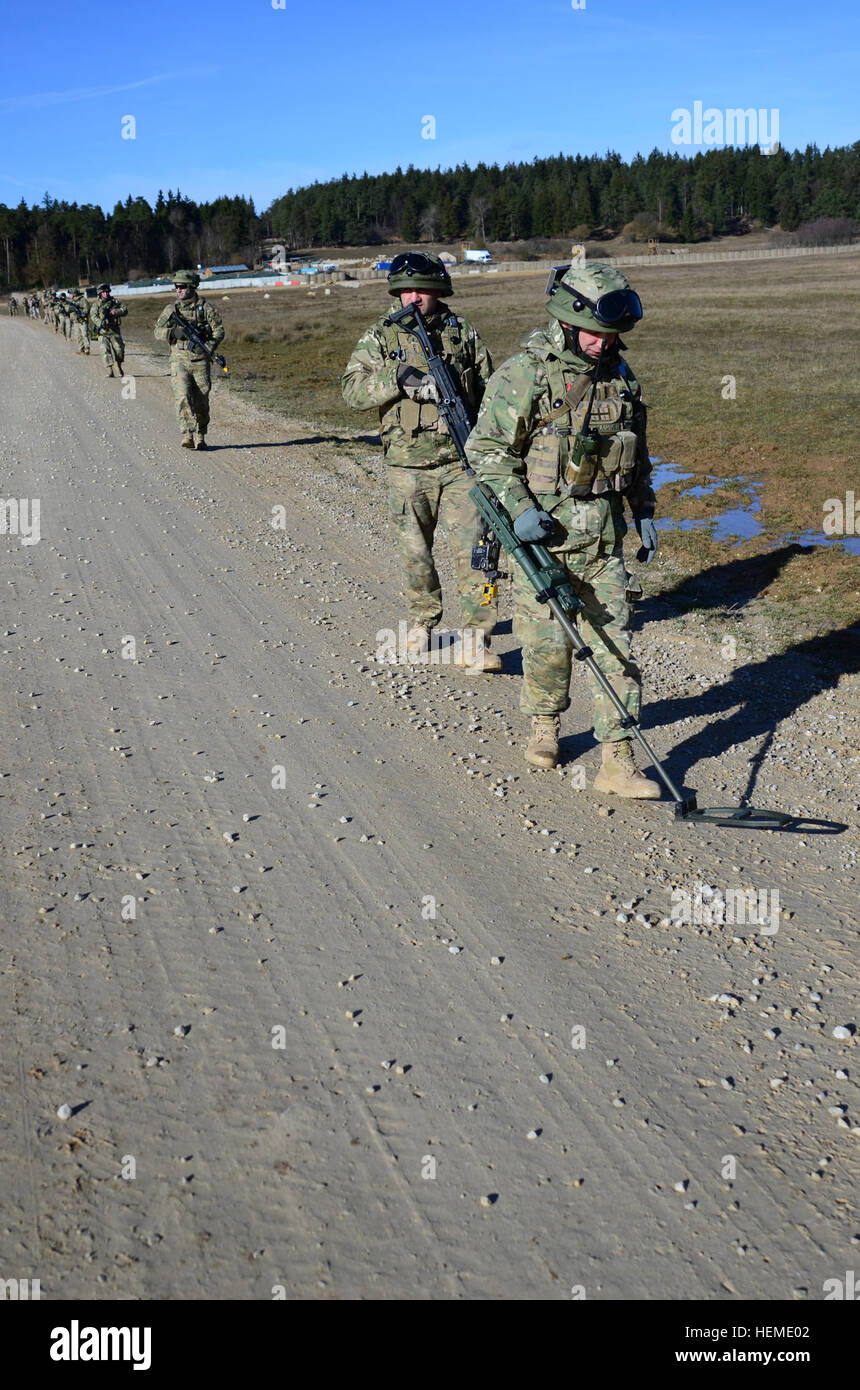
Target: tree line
(59, 243)
(665, 195)
(668, 196)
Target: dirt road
(344, 1000)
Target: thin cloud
(36, 100)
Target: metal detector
(553, 587)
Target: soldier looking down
(570, 498)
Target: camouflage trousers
(601, 582)
(192, 382)
(418, 499)
(66, 325)
(113, 350)
(83, 336)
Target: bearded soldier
(426, 481)
(105, 314)
(571, 498)
(189, 368)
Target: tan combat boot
(188, 440)
(619, 774)
(542, 747)
(417, 643)
(476, 658)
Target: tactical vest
(612, 465)
(413, 417)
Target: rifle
(552, 586)
(197, 342)
(453, 409)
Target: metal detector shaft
(553, 587)
(584, 654)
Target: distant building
(222, 269)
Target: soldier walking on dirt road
(388, 372)
(528, 446)
(189, 369)
(105, 314)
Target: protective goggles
(416, 263)
(614, 307)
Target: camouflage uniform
(65, 314)
(520, 447)
(189, 370)
(103, 322)
(426, 481)
(13, 306)
(81, 321)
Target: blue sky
(246, 98)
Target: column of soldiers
(528, 414)
(83, 321)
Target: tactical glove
(418, 386)
(648, 536)
(533, 525)
(179, 333)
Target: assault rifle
(552, 586)
(455, 413)
(198, 342)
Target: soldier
(81, 321)
(189, 369)
(426, 481)
(523, 447)
(65, 307)
(104, 316)
(52, 318)
(13, 306)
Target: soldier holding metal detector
(560, 440)
(424, 368)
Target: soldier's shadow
(753, 700)
(732, 585)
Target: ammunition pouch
(564, 460)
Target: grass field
(784, 330)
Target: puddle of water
(703, 490)
(662, 473)
(736, 523)
(851, 543)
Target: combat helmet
(595, 297)
(102, 287)
(186, 277)
(419, 270)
